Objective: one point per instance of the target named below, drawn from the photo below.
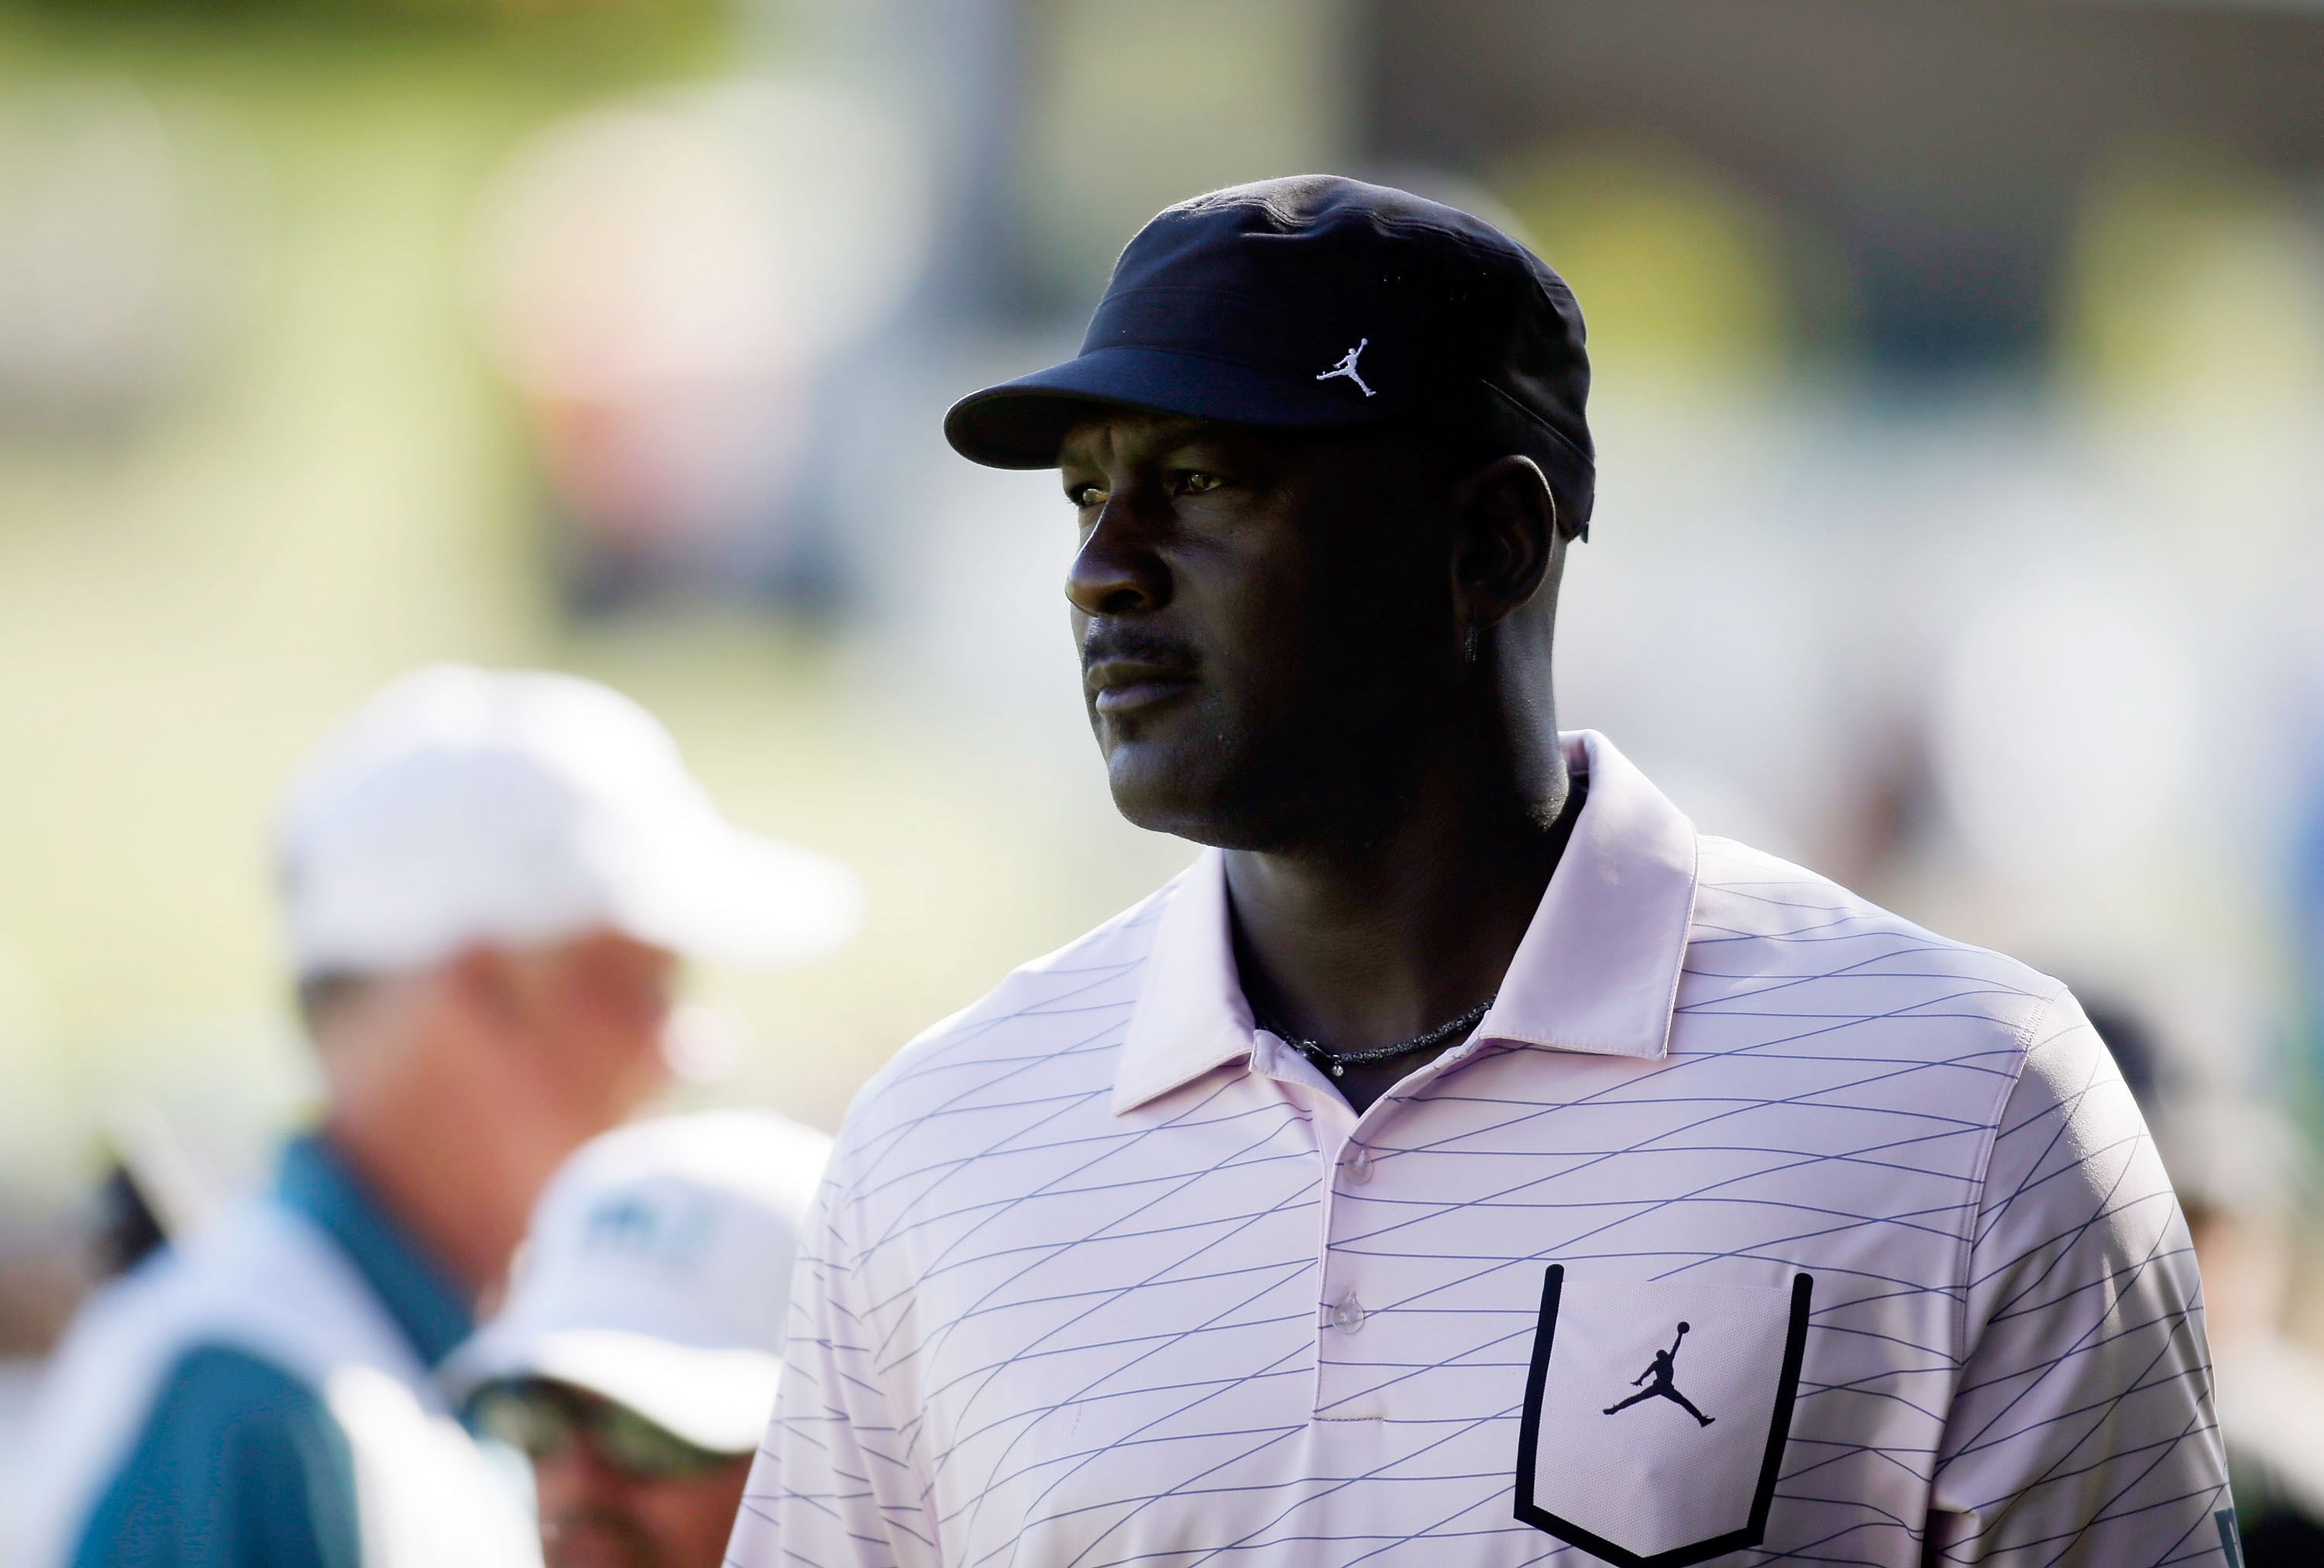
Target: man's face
(597, 1007)
(596, 1512)
(1265, 620)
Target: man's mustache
(1110, 642)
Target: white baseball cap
(657, 1274)
(463, 805)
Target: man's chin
(1155, 788)
(598, 1539)
(1189, 793)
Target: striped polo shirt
(1752, 1223)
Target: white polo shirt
(1752, 1223)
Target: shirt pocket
(1655, 1415)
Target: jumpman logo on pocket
(1664, 1365)
(1652, 1490)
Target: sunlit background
(1959, 400)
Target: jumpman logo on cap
(1347, 367)
(1661, 1387)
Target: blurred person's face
(614, 1490)
(590, 1015)
(581, 1022)
(1267, 621)
(456, 1090)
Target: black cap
(1314, 301)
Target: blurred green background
(1960, 388)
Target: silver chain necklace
(1337, 1063)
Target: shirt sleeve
(239, 1466)
(2081, 1433)
(835, 1483)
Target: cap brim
(1021, 423)
(736, 898)
(717, 1399)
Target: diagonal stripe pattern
(1236, 1324)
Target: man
(1316, 1210)
(487, 879)
(636, 1361)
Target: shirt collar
(1597, 970)
(418, 1292)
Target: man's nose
(1118, 571)
(568, 1478)
(575, 1476)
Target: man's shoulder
(1048, 1033)
(213, 1385)
(236, 1447)
(1782, 945)
(163, 1379)
(258, 1282)
(263, 1277)
(222, 1289)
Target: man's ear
(1507, 534)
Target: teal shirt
(240, 1464)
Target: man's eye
(1197, 483)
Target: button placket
(1350, 1382)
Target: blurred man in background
(487, 881)
(636, 1361)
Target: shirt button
(1358, 1167)
(1348, 1315)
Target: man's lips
(1119, 684)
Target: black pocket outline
(1779, 1430)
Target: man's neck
(1374, 944)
